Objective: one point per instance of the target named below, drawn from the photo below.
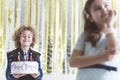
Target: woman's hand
(18, 75)
(35, 75)
(111, 18)
(107, 54)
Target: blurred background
(58, 23)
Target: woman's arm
(111, 34)
(113, 42)
(111, 38)
(78, 60)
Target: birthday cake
(24, 67)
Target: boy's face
(26, 38)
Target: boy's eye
(29, 36)
(23, 36)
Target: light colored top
(94, 73)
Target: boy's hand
(18, 75)
(35, 75)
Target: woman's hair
(17, 34)
(91, 30)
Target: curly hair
(17, 34)
(91, 30)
